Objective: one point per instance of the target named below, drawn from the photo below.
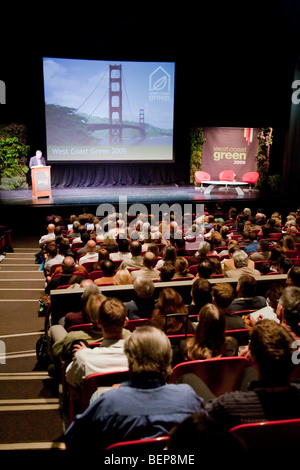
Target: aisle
(29, 403)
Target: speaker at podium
(41, 182)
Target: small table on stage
(235, 185)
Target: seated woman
(169, 302)
(182, 268)
(209, 339)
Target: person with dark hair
(198, 435)
(136, 260)
(252, 247)
(293, 276)
(201, 295)
(223, 295)
(108, 269)
(170, 302)
(272, 397)
(209, 338)
(167, 271)
(246, 298)
(262, 253)
(142, 407)
(204, 269)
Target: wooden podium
(41, 181)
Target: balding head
(91, 246)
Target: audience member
(246, 298)
(91, 253)
(272, 397)
(198, 435)
(209, 339)
(103, 254)
(148, 267)
(182, 268)
(288, 311)
(52, 257)
(241, 266)
(62, 340)
(201, 295)
(262, 253)
(142, 407)
(293, 276)
(252, 247)
(109, 356)
(200, 255)
(170, 302)
(80, 317)
(74, 232)
(167, 271)
(123, 250)
(169, 255)
(108, 270)
(50, 235)
(293, 232)
(143, 303)
(273, 262)
(136, 260)
(204, 269)
(66, 274)
(223, 295)
(122, 277)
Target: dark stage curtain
(95, 174)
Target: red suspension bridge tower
(115, 104)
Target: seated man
(148, 269)
(67, 273)
(263, 252)
(246, 298)
(108, 269)
(241, 265)
(136, 260)
(223, 296)
(142, 407)
(91, 253)
(109, 355)
(143, 303)
(49, 236)
(272, 397)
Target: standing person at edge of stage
(37, 160)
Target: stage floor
(133, 194)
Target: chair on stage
(269, 435)
(221, 375)
(201, 176)
(251, 178)
(227, 176)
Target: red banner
(229, 148)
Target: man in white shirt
(109, 356)
(91, 254)
(49, 236)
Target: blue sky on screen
(83, 85)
